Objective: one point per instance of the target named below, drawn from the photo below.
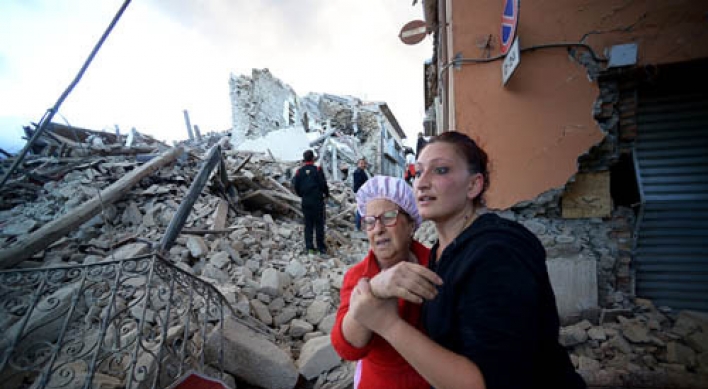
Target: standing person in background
(409, 174)
(494, 322)
(420, 144)
(360, 176)
(310, 184)
(344, 168)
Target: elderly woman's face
(390, 244)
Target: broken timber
(173, 229)
(47, 118)
(263, 197)
(49, 233)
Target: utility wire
(568, 45)
(47, 118)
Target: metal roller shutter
(671, 157)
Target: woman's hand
(408, 281)
(373, 313)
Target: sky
(165, 56)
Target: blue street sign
(510, 19)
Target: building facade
(607, 110)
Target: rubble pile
(60, 150)
(250, 245)
(340, 129)
(643, 347)
(351, 130)
(246, 240)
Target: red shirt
(381, 365)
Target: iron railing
(135, 323)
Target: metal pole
(189, 125)
(47, 118)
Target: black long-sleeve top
(496, 307)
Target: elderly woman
(396, 266)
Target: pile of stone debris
(243, 235)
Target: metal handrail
(137, 323)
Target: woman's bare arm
(441, 367)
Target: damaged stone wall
(261, 104)
(587, 258)
(341, 129)
(588, 238)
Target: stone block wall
(260, 105)
(604, 241)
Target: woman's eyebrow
(436, 160)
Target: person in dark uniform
(311, 185)
(358, 179)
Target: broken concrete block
(132, 215)
(296, 269)
(678, 353)
(299, 328)
(270, 282)
(321, 286)
(316, 357)
(197, 247)
(589, 364)
(215, 273)
(220, 259)
(316, 311)
(570, 336)
(131, 250)
(261, 312)
(635, 332)
(285, 316)
(327, 323)
(252, 358)
(19, 227)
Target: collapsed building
(126, 263)
(130, 270)
(340, 129)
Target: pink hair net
(393, 189)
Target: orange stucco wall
(535, 128)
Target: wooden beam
(262, 197)
(222, 211)
(49, 233)
(189, 231)
(279, 185)
(180, 217)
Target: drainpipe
(451, 73)
(381, 145)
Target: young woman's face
(444, 186)
(389, 243)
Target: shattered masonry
(341, 129)
(248, 246)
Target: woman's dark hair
(308, 156)
(474, 155)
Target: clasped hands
(373, 303)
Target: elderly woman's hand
(374, 313)
(408, 281)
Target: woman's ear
(475, 186)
